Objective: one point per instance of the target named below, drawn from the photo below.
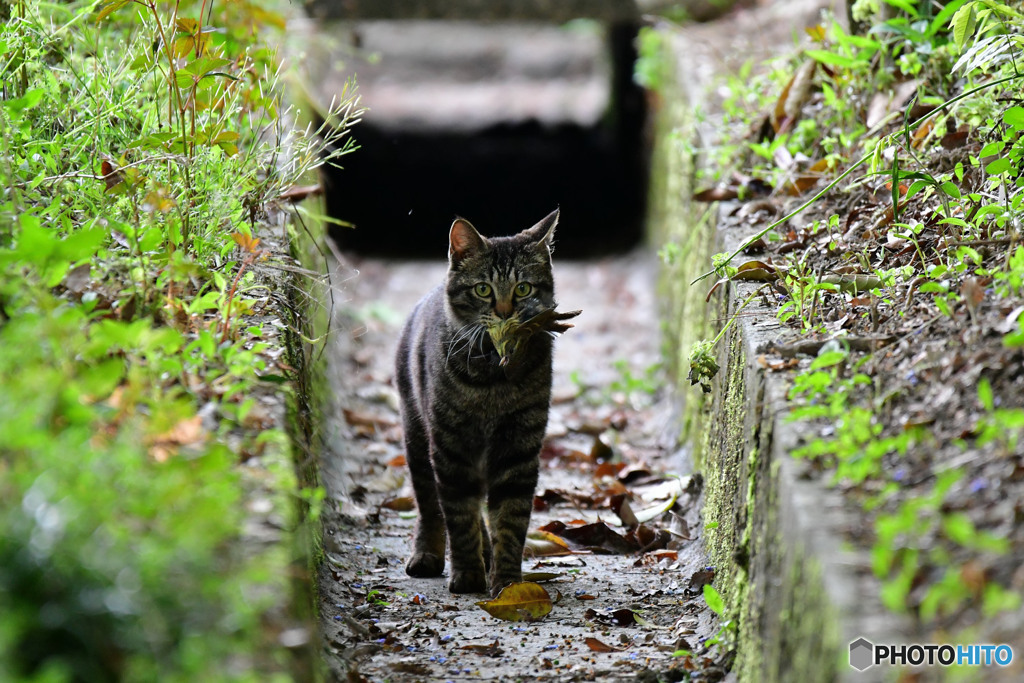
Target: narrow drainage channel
(486, 131)
(620, 613)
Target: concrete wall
(798, 596)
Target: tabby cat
(474, 425)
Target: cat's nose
(503, 308)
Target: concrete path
(380, 624)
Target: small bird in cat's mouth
(509, 335)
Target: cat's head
(493, 279)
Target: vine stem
(942, 107)
(247, 262)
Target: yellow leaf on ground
(525, 601)
(544, 544)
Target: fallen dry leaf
(111, 176)
(597, 646)
(524, 601)
(657, 556)
(649, 539)
(637, 473)
(544, 544)
(716, 194)
(608, 469)
(553, 451)
(777, 365)
(972, 575)
(187, 432)
(621, 507)
(413, 668)
(390, 480)
(954, 140)
(401, 504)
(361, 419)
(793, 97)
(973, 291)
(699, 579)
(78, 278)
(807, 179)
(756, 271)
(608, 489)
(1009, 323)
(601, 452)
(596, 537)
(889, 104)
(488, 650)
(548, 498)
(921, 134)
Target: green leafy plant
(899, 559)
(630, 384)
(137, 145)
(649, 70)
(725, 638)
(1004, 426)
(805, 293)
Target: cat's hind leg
(427, 557)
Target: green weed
(140, 149)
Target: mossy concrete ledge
(798, 595)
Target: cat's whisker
(476, 340)
(468, 337)
(464, 335)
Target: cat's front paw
(467, 582)
(422, 565)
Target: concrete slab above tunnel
(496, 121)
(479, 10)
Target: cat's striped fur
(473, 430)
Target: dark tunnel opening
(403, 186)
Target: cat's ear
(463, 240)
(543, 233)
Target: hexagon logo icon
(861, 654)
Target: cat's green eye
(524, 289)
(482, 290)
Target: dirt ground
(619, 613)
